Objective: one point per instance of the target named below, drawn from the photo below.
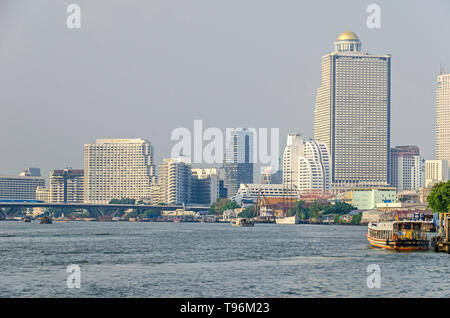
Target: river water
(126, 259)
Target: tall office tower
(67, 185)
(205, 186)
(443, 117)
(291, 155)
(118, 168)
(238, 163)
(175, 181)
(436, 171)
(352, 114)
(407, 168)
(314, 168)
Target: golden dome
(348, 36)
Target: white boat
(287, 220)
(242, 222)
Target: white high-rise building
(435, 171)
(291, 155)
(175, 181)
(118, 168)
(443, 117)
(314, 170)
(352, 114)
(67, 185)
(407, 168)
(306, 164)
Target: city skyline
(290, 76)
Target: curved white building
(306, 164)
(314, 167)
(293, 150)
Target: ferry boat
(245, 222)
(287, 220)
(399, 235)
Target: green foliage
(148, 213)
(439, 197)
(337, 218)
(339, 208)
(248, 212)
(151, 213)
(300, 209)
(122, 201)
(221, 205)
(356, 219)
(316, 210)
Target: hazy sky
(142, 68)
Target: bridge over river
(12, 209)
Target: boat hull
(287, 220)
(399, 245)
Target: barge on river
(399, 235)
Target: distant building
(268, 176)
(314, 168)
(435, 171)
(205, 186)
(248, 193)
(31, 172)
(175, 182)
(238, 163)
(291, 163)
(43, 194)
(368, 198)
(118, 168)
(352, 114)
(443, 117)
(67, 186)
(306, 164)
(424, 192)
(20, 187)
(407, 168)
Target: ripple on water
(208, 260)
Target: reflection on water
(209, 260)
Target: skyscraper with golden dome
(352, 114)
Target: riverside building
(118, 168)
(352, 114)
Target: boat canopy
(388, 226)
